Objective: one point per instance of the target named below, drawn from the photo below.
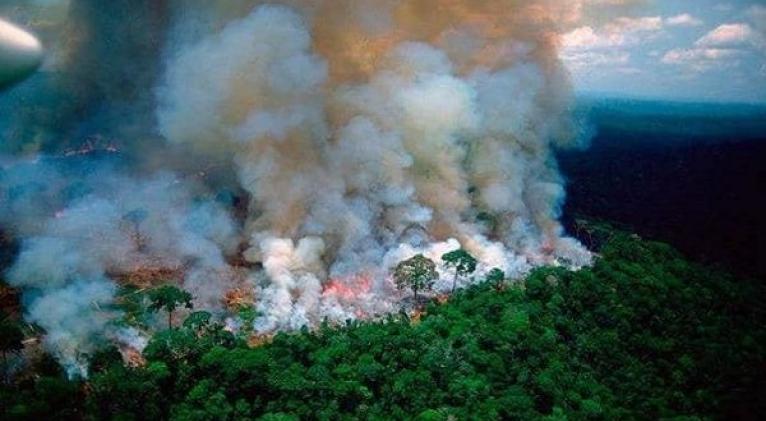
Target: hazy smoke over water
(299, 149)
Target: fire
(238, 297)
(147, 275)
(349, 288)
(132, 357)
(256, 340)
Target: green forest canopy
(643, 334)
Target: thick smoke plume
(297, 150)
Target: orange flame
(348, 288)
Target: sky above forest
(711, 50)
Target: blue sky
(673, 49)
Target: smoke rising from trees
(298, 149)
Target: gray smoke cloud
(93, 227)
(297, 149)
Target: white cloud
(702, 59)
(644, 24)
(730, 44)
(586, 37)
(729, 35)
(582, 61)
(607, 47)
(622, 31)
(682, 56)
(683, 20)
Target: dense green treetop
(169, 298)
(642, 334)
(417, 273)
(463, 263)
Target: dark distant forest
(692, 175)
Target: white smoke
(74, 320)
(67, 259)
(300, 149)
(343, 175)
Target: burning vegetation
(280, 158)
(558, 342)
